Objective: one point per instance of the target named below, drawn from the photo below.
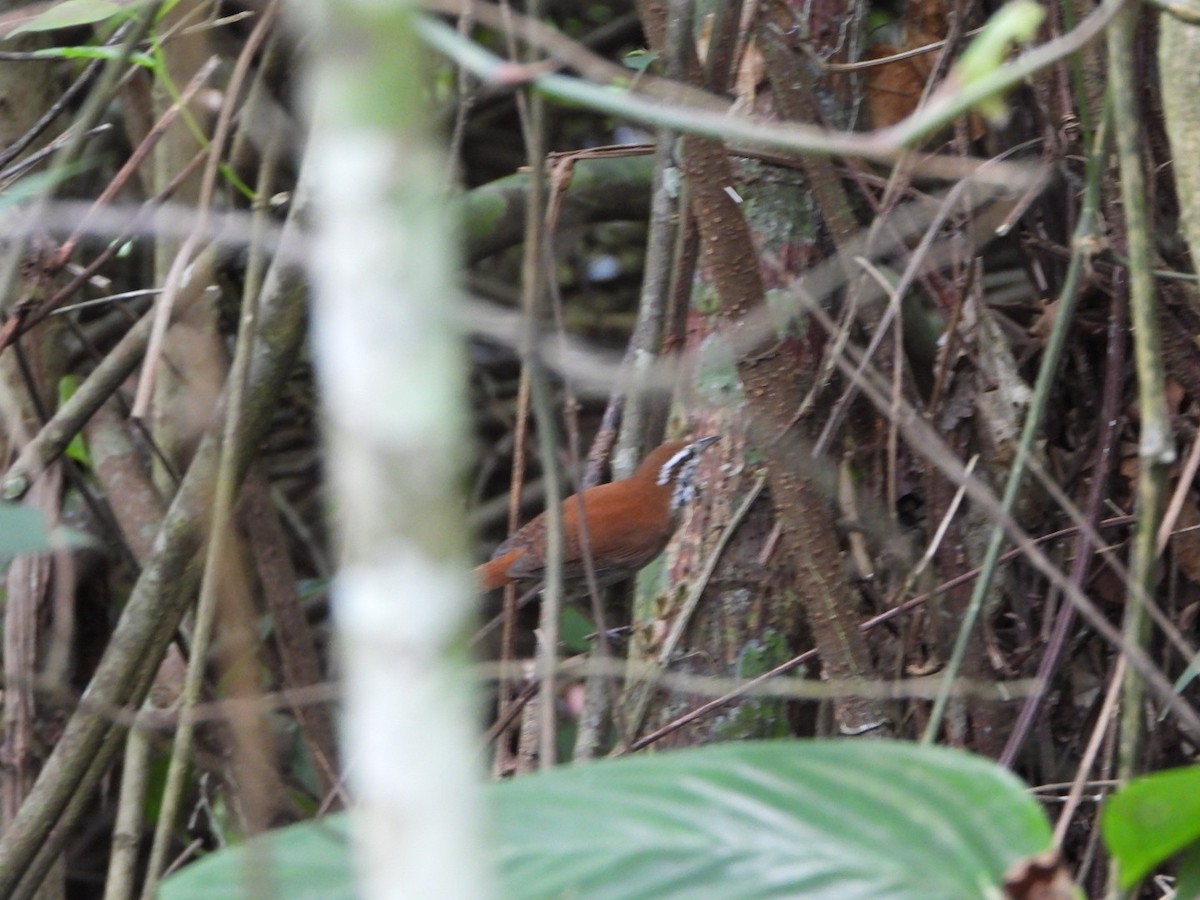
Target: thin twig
(1104, 721)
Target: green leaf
(575, 630)
(22, 530)
(1014, 23)
(1187, 877)
(70, 13)
(76, 449)
(639, 60)
(105, 52)
(309, 861)
(845, 819)
(33, 185)
(1182, 682)
(1151, 819)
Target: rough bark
(781, 577)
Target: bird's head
(677, 469)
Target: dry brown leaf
(1041, 877)
(1185, 540)
(894, 89)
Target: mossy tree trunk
(780, 582)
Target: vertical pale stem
(1156, 449)
(391, 373)
(1178, 48)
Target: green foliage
(109, 53)
(482, 210)
(1182, 682)
(639, 60)
(846, 819)
(575, 630)
(31, 186)
(1187, 878)
(757, 717)
(71, 13)
(1152, 819)
(22, 530)
(1014, 23)
(77, 449)
(310, 861)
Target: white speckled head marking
(679, 471)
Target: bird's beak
(706, 441)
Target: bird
(628, 523)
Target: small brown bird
(628, 522)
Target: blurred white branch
(391, 370)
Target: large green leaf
(309, 861)
(1151, 819)
(844, 819)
